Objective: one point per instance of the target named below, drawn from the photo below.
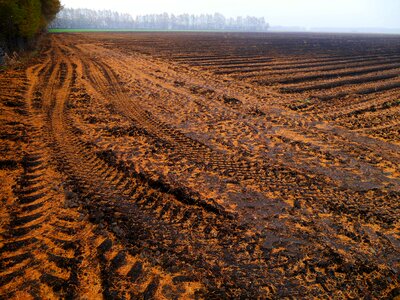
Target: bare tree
(106, 19)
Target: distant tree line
(21, 21)
(69, 18)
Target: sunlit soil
(202, 166)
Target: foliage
(50, 8)
(22, 20)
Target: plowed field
(202, 166)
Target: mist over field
(355, 15)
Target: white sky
(305, 13)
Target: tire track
(77, 165)
(26, 257)
(165, 210)
(50, 250)
(182, 145)
(280, 179)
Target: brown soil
(191, 166)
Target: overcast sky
(305, 13)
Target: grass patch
(61, 30)
(71, 30)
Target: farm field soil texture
(202, 166)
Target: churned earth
(202, 166)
